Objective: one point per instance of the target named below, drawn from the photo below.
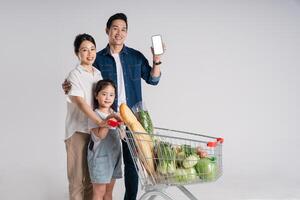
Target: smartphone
(157, 45)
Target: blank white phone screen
(157, 45)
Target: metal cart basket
(177, 158)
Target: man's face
(117, 33)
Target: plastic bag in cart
(142, 114)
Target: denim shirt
(135, 67)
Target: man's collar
(107, 50)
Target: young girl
(104, 152)
(79, 109)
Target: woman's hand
(66, 86)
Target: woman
(79, 108)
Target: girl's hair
(100, 86)
(81, 38)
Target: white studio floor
(40, 185)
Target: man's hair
(120, 16)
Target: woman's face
(87, 53)
(106, 97)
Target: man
(126, 67)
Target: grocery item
(146, 121)
(207, 168)
(166, 155)
(141, 112)
(144, 141)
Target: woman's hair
(100, 86)
(81, 38)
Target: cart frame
(150, 185)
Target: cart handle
(220, 140)
(196, 134)
(214, 144)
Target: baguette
(143, 141)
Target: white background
(231, 70)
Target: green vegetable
(162, 168)
(185, 175)
(145, 120)
(180, 156)
(188, 150)
(166, 158)
(191, 174)
(190, 161)
(180, 175)
(183, 152)
(207, 168)
(171, 167)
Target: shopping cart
(179, 158)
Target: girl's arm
(87, 110)
(100, 132)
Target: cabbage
(181, 175)
(190, 161)
(185, 175)
(207, 168)
(186, 156)
(191, 174)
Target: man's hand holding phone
(157, 49)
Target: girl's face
(87, 53)
(106, 97)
